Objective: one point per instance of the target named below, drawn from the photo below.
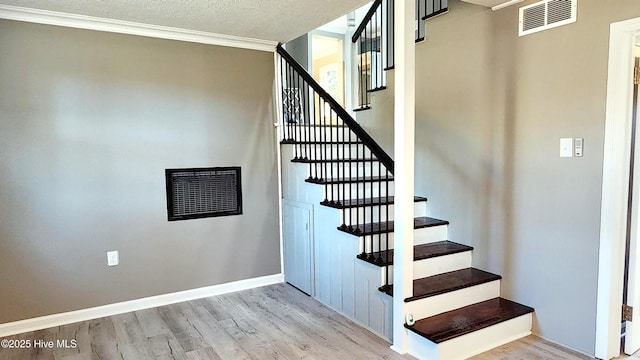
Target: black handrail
(365, 21)
(366, 139)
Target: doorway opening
(328, 68)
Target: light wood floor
(273, 322)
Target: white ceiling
(275, 20)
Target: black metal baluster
(348, 183)
(285, 92)
(386, 217)
(379, 46)
(315, 147)
(419, 18)
(392, 31)
(300, 117)
(339, 161)
(309, 115)
(343, 163)
(307, 139)
(370, 68)
(383, 44)
(326, 150)
(359, 197)
(365, 70)
(331, 154)
(374, 48)
(290, 115)
(387, 234)
(319, 143)
(357, 180)
(296, 125)
(366, 200)
(361, 79)
(284, 99)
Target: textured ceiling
(276, 20)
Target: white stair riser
(357, 190)
(319, 133)
(368, 214)
(347, 170)
(471, 344)
(428, 235)
(438, 304)
(438, 265)
(333, 151)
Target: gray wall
(88, 123)
(491, 108)
(299, 49)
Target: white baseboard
(44, 322)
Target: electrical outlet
(113, 258)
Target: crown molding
(131, 28)
(505, 4)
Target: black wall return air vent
(203, 192)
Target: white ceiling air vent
(546, 14)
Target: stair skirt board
(452, 300)
(437, 265)
(471, 344)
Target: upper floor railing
(375, 39)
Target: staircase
(458, 309)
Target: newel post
(404, 140)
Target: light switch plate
(113, 258)
(566, 147)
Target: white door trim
(615, 177)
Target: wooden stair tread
(387, 200)
(351, 180)
(420, 252)
(451, 281)
(455, 323)
(387, 226)
(447, 282)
